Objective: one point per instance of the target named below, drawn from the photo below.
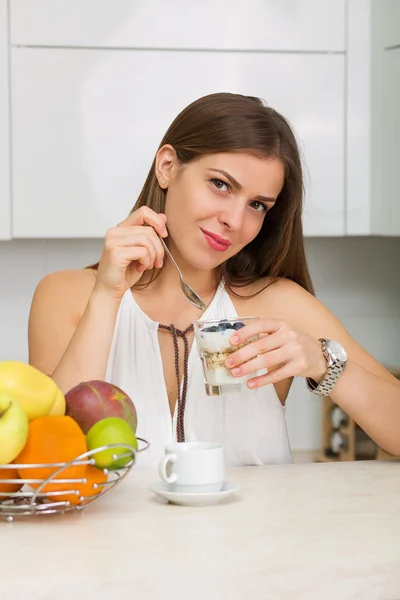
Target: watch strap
(325, 387)
(332, 374)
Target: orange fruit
(52, 439)
(9, 487)
(93, 475)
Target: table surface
(292, 531)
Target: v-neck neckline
(153, 326)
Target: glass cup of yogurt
(214, 347)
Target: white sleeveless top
(251, 424)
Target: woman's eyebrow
(233, 181)
(238, 186)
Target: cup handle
(162, 468)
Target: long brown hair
(227, 122)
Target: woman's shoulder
(78, 279)
(268, 297)
(70, 287)
(287, 301)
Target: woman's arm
(373, 402)
(73, 313)
(365, 390)
(70, 328)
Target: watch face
(337, 351)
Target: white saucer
(197, 499)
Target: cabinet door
(86, 125)
(290, 25)
(386, 199)
(390, 23)
(5, 207)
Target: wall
(357, 278)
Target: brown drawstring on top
(180, 428)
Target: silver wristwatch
(336, 357)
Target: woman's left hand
(281, 349)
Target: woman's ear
(166, 161)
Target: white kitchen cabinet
(373, 118)
(94, 85)
(279, 25)
(86, 125)
(5, 202)
(386, 200)
(385, 205)
(390, 31)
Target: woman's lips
(216, 241)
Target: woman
(225, 192)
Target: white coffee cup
(193, 467)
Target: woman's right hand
(129, 249)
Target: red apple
(91, 401)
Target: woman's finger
(274, 376)
(139, 255)
(267, 360)
(143, 238)
(263, 345)
(126, 235)
(147, 216)
(258, 326)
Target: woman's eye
(259, 206)
(219, 184)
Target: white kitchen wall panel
(296, 25)
(86, 125)
(5, 200)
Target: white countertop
(293, 531)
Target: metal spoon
(185, 287)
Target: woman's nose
(232, 217)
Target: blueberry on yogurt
(223, 326)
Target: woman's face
(216, 205)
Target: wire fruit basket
(41, 500)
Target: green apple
(111, 430)
(14, 428)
